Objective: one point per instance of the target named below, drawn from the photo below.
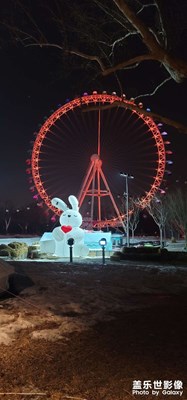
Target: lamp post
(127, 176)
(70, 244)
(103, 243)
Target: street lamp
(127, 176)
(103, 243)
(70, 242)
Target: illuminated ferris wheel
(81, 148)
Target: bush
(15, 245)
(4, 253)
(18, 250)
(3, 246)
(35, 254)
(116, 256)
(32, 249)
(14, 254)
(140, 250)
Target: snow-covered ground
(56, 299)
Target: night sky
(32, 83)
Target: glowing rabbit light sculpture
(70, 222)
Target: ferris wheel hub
(94, 157)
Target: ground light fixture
(70, 242)
(103, 243)
(126, 195)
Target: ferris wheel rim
(86, 100)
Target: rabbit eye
(64, 215)
(75, 215)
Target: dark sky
(28, 92)
(32, 83)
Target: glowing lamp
(94, 92)
(70, 242)
(103, 242)
(164, 133)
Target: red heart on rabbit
(66, 228)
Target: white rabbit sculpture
(70, 222)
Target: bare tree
(107, 37)
(177, 206)
(134, 215)
(158, 209)
(6, 212)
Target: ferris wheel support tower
(92, 183)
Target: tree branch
(87, 57)
(147, 37)
(177, 68)
(131, 106)
(155, 90)
(127, 63)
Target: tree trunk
(161, 237)
(7, 224)
(185, 237)
(132, 236)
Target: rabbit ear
(58, 203)
(74, 203)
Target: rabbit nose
(69, 215)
